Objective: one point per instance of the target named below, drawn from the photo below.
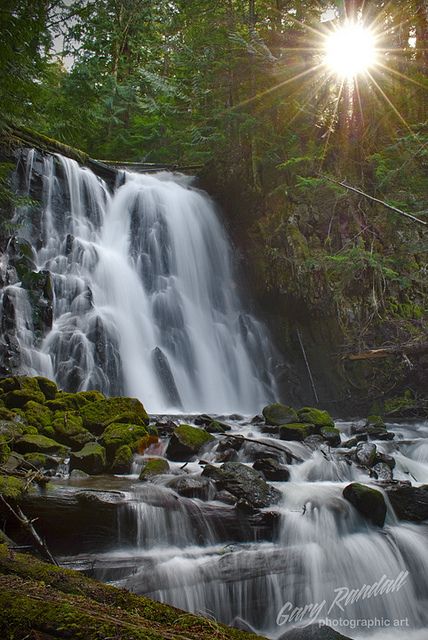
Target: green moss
(192, 436)
(39, 444)
(331, 435)
(11, 487)
(376, 421)
(317, 417)
(69, 430)
(37, 415)
(6, 414)
(117, 434)
(99, 414)
(277, 414)
(368, 501)
(4, 449)
(20, 397)
(47, 387)
(154, 467)
(40, 460)
(91, 459)
(11, 430)
(295, 431)
(67, 402)
(122, 461)
(399, 403)
(92, 396)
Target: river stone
(313, 632)
(193, 487)
(122, 460)
(331, 435)
(186, 441)
(386, 459)
(91, 459)
(257, 450)
(317, 417)
(245, 483)
(382, 471)
(39, 416)
(68, 429)
(409, 503)
(368, 501)
(39, 444)
(295, 431)
(217, 427)
(47, 387)
(277, 414)
(154, 467)
(365, 453)
(117, 435)
(229, 455)
(272, 469)
(230, 443)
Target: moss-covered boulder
(68, 429)
(39, 416)
(277, 414)
(317, 417)
(41, 461)
(331, 435)
(4, 449)
(7, 414)
(47, 387)
(18, 399)
(122, 461)
(118, 434)
(11, 430)
(368, 501)
(99, 414)
(39, 444)
(11, 487)
(154, 467)
(67, 401)
(375, 421)
(296, 431)
(186, 441)
(91, 459)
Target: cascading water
(145, 302)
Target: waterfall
(145, 297)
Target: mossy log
(38, 600)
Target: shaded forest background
(238, 87)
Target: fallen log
(385, 352)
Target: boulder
(409, 503)
(100, 414)
(19, 397)
(217, 427)
(193, 487)
(39, 416)
(381, 471)
(313, 632)
(365, 454)
(47, 387)
(295, 431)
(331, 435)
(91, 459)
(277, 414)
(245, 483)
(368, 501)
(122, 460)
(186, 441)
(39, 444)
(272, 469)
(317, 417)
(154, 467)
(119, 434)
(68, 429)
(40, 461)
(230, 443)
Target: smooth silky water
(146, 303)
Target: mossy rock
(91, 396)
(119, 434)
(296, 431)
(317, 417)
(39, 444)
(67, 401)
(41, 461)
(69, 430)
(154, 467)
(11, 487)
(99, 414)
(11, 430)
(186, 441)
(91, 459)
(122, 461)
(19, 398)
(375, 421)
(38, 415)
(7, 414)
(331, 435)
(368, 501)
(4, 449)
(47, 387)
(277, 414)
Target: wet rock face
(366, 454)
(186, 441)
(272, 470)
(368, 501)
(409, 503)
(244, 483)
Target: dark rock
(230, 455)
(235, 442)
(381, 471)
(272, 470)
(409, 503)
(278, 414)
(166, 377)
(154, 467)
(313, 632)
(331, 435)
(365, 454)
(225, 496)
(314, 441)
(386, 459)
(244, 483)
(257, 450)
(186, 441)
(368, 501)
(203, 420)
(316, 417)
(122, 460)
(91, 459)
(257, 420)
(193, 487)
(39, 444)
(217, 427)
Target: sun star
(350, 51)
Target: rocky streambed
(258, 522)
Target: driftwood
(385, 352)
(382, 202)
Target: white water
(146, 301)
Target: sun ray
(330, 129)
